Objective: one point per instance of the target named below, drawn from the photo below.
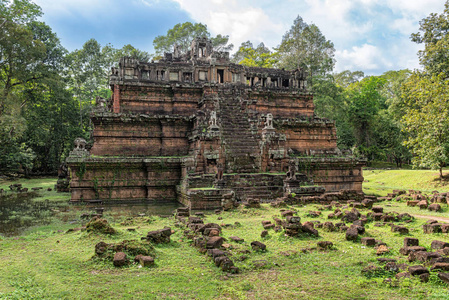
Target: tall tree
(434, 34)
(304, 46)
(87, 72)
(182, 36)
(363, 103)
(426, 119)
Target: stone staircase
(242, 148)
(263, 186)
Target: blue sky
(369, 35)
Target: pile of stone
(417, 199)
(252, 203)
(16, 187)
(206, 237)
(432, 226)
(396, 194)
(327, 198)
(183, 212)
(161, 236)
(119, 252)
(437, 260)
(100, 225)
(293, 227)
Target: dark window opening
(160, 75)
(211, 162)
(220, 75)
(187, 77)
(285, 82)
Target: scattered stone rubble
(206, 237)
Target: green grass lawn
(45, 262)
(382, 182)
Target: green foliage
(346, 78)
(304, 46)
(434, 35)
(182, 36)
(426, 119)
(260, 56)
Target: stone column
(116, 103)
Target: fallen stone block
(438, 245)
(440, 266)
(408, 241)
(323, 245)
(368, 241)
(434, 207)
(400, 229)
(444, 277)
(214, 242)
(119, 259)
(256, 245)
(236, 239)
(146, 261)
(377, 209)
(417, 270)
(408, 250)
(352, 234)
(307, 228)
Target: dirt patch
(439, 219)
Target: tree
(392, 91)
(18, 12)
(260, 56)
(304, 46)
(345, 78)
(427, 119)
(87, 73)
(182, 36)
(113, 55)
(434, 34)
(363, 103)
(38, 114)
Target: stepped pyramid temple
(198, 129)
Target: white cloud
(241, 22)
(367, 57)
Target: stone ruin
(194, 127)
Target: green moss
(98, 225)
(81, 171)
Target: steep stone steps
(242, 149)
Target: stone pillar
(116, 103)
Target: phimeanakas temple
(198, 129)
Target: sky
(372, 36)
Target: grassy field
(47, 263)
(382, 182)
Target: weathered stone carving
(80, 144)
(291, 174)
(80, 148)
(100, 101)
(213, 121)
(269, 124)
